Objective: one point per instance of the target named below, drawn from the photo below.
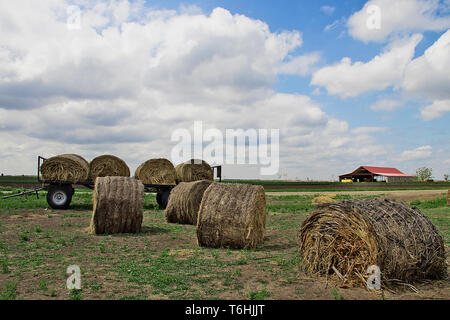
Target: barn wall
(399, 179)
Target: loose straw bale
(156, 171)
(232, 216)
(351, 235)
(65, 167)
(322, 199)
(194, 170)
(184, 202)
(108, 166)
(118, 205)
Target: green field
(164, 261)
(18, 179)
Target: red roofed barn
(372, 174)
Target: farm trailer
(59, 193)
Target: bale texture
(232, 216)
(194, 170)
(322, 199)
(184, 202)
(156, 171)
(65, 167)
(118, 205)
(108, 166)
(352, 235)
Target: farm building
(377, 174)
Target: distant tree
(446, 177)
(424, 173)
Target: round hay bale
(118, 205)
(322, 199)
(156, 171)
(232, 216)
(352, 235)
(65, 167)
(194, 170)
(184, 202)
(108, 166)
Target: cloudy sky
(344, 87)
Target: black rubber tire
(163, 199)
(59, 196)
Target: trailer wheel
(163, 199)
(59, 196)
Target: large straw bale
(156, 171)
(65, 167)
(232, 216)
(118, 205)
(351, 235)
(194, 170)
(108, 166)
(184, 202)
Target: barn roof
(382, 171)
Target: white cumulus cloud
(435, 110)
(349, 79)
(396, 17)
(422, 152)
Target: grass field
(37, 244)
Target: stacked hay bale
(65, 167)
(118, 205)
(194, 170)
(232, 216)
(351, 235)
(108, 166)
(156, 171)
(185, 201)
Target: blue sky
(142, 66)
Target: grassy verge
(37, 244)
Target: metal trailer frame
(59, 193)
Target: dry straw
(232, 216)
(108, 166)
(322, 199)
(156, 171)
(65, 167)
(118, 205)
(185, 201)
(351, 235)
(194, 170)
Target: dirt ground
(401, 195)
(165, 262)
(226, 274)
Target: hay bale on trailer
(156, 171)
(65, 167)
(351, 235)
(118, 205)
(108, 166)
(184, 202)
(194, 170)
(232, 216)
